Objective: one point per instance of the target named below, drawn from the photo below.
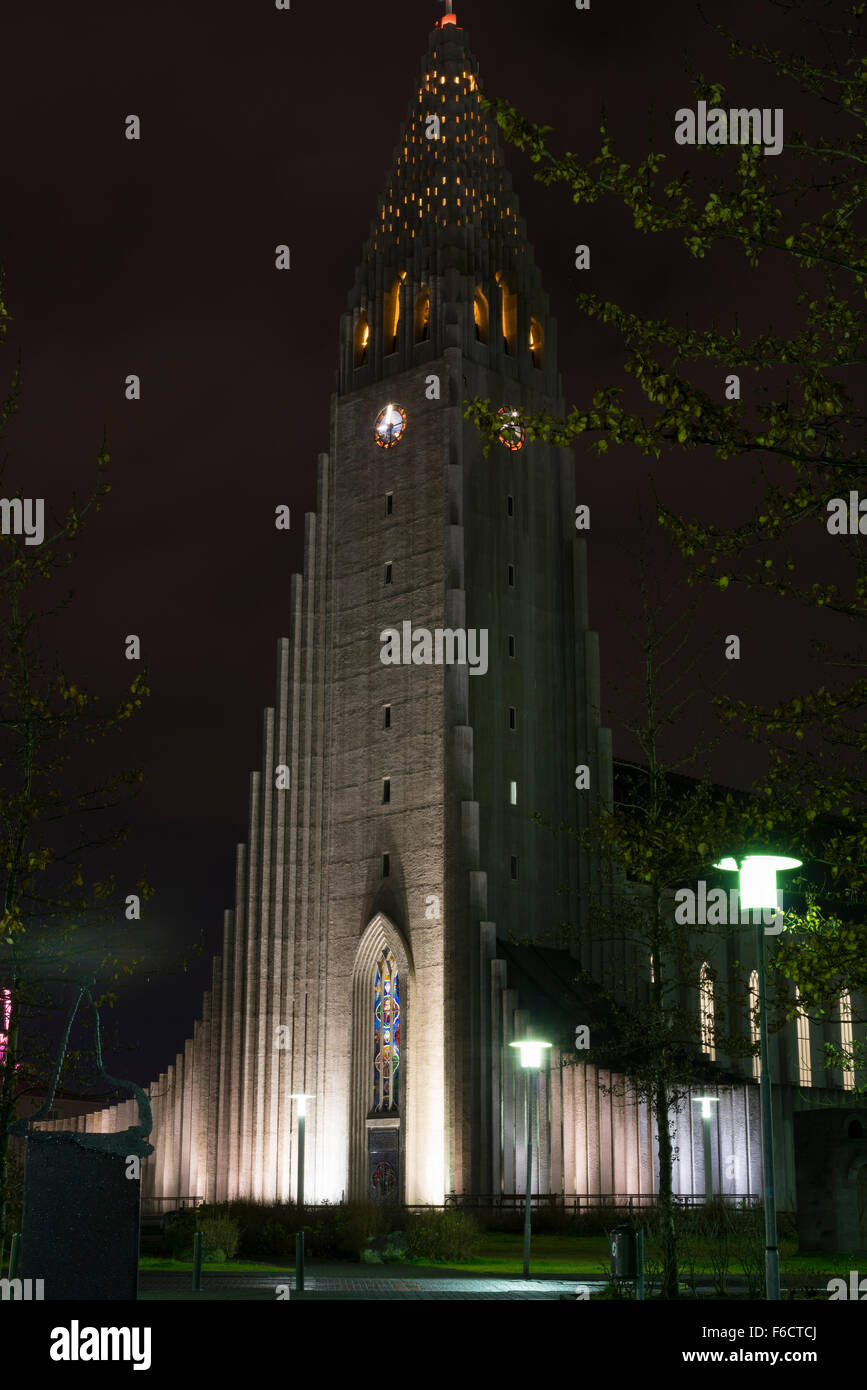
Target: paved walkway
(352, 1286)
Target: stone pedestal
(80, 1225)
(831, 1175)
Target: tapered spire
(448, 184)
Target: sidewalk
(352, 1281)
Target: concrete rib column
(555, 1089)
(185, 1106)
(282, 817)
(177, 1113)
(509, 1001)
(236, 1022)
(497, 987)
(224, 1064)
(258, 961)
(521, 1022)
(487, 952)
(249, 1013)
(287, 980)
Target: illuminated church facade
(391, 859)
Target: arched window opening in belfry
(537, 342)
(508, 314)
(362, 339)
(391, 312)
(386, 1034)
(422, 315)
(480, 316)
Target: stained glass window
(386, 1034)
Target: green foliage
(451, 1235)
(798, 224)
(221, 1234)
(55, 807)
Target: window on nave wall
(754, 1024)
(386, 1034)
(846, 1037)
(707, 1019)
(805, 1061)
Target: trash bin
(624, 1253)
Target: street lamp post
(531, 1060)
(302, 1098)
(758, 890)
(706, 1114)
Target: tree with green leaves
(55, 811)
(641, 967)
(799, 225)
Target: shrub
(443, 1235)
(220, 1233)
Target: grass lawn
(502, 1253)
(167, 1266)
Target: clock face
(512, 435)
(390, 425)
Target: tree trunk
(7, 1115)
(668, 1232)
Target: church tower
(432, 771)
(439, 686)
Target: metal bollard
(197, 1262)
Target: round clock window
(389, 427)
(512, 435)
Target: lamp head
(302, 1098)
(531, 1051)
(758, 876)
(706, 1103)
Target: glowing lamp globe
(758, 877)
(531, 1051)
(302, 1098)
(706, 1103)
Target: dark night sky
(261, 127)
